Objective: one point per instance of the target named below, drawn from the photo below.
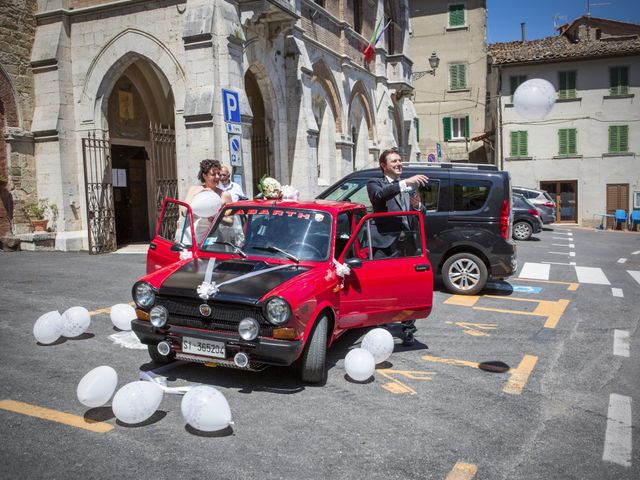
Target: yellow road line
(396, 386)
(520, 375)
(462, 300)
(54, 416)
(571, 286)
(474, 329)
(462, 471)
(106, 309)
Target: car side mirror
(353, 262)
(178, 247)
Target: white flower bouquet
(270, 187)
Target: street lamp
(434, 61)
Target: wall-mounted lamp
(434, 61)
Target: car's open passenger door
(174, 234)
(391, 278)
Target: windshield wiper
(235, 247)
(271, 248)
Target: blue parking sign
(231, 106)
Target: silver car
(541, 200)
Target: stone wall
(17, 166)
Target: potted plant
(38, 213)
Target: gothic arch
(322, 75)
(359, 94)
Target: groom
(389, 193)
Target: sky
(504, 16)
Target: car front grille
(186, 313)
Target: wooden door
(617, 198)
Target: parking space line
(617, 440)
(396, 386)
(635, 253)
(106, 310)
(553, 310)
(571, 286)
(462, 471)
(621, 343)
(635, 274)
(622, 260)
(474, 329)
(520, 375)
(54, 416)
(617, 292)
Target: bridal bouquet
(270, 187)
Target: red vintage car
(276, 282)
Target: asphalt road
(533, 379)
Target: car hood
(241, 281)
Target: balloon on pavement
(97, 386)
(359, 364)
(534, 98)
(121, 315)
(205, 408)
(136, 401)
(205, 204)
(379, 342)
(75, 321)
(48, 327)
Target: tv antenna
(556, 20)
(589, 5)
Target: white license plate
(203, 347)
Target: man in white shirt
(227, 185)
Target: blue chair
(619, 217)
(634, 219)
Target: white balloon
(121, 315)
(75, 321)
(97, 386)
(136, 401)
(534, 98)
(205, 204)
(379, 342)
(359, 364)
(48, 327)
(206, 409)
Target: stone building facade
(17, 164)
(131, 95)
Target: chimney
(522, 30)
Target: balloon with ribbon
(136, 401)
(205, 408)
(48, 327)
(96, 387)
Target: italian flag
(369, 51)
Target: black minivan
(468, 220)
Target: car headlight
(277, 311)
(248, 328)
(158, 316)
(144, 295)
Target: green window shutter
(562, 141)
(624, 81)
(522, 144)
(562, 90)
(416, 122)
(572, 144)
(514, 144)
(456, 15)
(613, 139)
(462, 76)
(613, 88)
(619, 81)
(571, 84)
(446, 127)
(453, 74)
(467, 127)
(623, 135)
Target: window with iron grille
(519, 147)
(618, 138)
(567, 141)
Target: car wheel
(158, 357)
(464, 274)
(522, 231)
(314, 356)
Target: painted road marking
(592, 275)
(396, 386)
(617, 292)
(560, 263)
(462, 471)
(106, 310)
(635, 253)
(572, 254)
(474, 329)
(537, 271)
(512, 288)
(563, 253)
(635, 274)
(518, 376)
(570, 245)
(617, 440)
(552, 310)
(54, 416)
(571, 286)
(621, 343)
(622, 260)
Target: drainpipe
(522, 31)
(499, 126)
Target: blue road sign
(235, 150)
(431, 158)
(231, 106)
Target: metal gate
(259, 159)
(99, 193)
(163, 165)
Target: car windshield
(288, 233)
(354, 190)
